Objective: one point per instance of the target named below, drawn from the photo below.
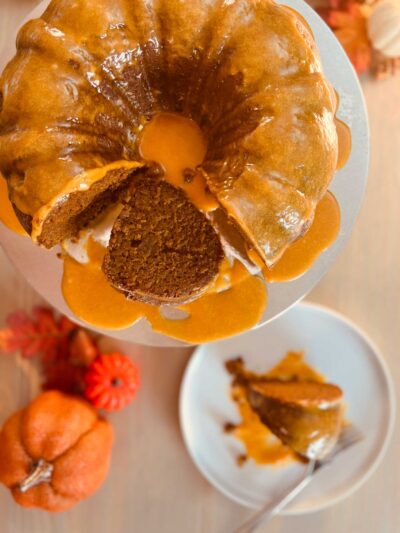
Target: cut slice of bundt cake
(162, 248)
(305, 415)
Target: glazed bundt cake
(89, 74)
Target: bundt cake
(87, 77)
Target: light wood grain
(153, 486)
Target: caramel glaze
(299, 257)
(90, 297)
(7, 213)
(344, 141)
(177, 144)
(259, 442)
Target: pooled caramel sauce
(345, 143)
(299, 257)
(229, 276)
(7, 213)
(89, 295)
(261, 445)
(177, 144)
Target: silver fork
(349, 436)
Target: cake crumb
(229, 427)
(241, 459)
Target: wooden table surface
(153, 485)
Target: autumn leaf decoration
(40, 334)
(348, 20)
(69, 358)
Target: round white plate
(43, 270)
(342, 353)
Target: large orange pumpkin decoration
(55, 452)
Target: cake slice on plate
(307, 416)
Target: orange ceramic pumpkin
(55, 452)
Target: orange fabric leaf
(83, 348)
(349, 23)
(40, 334)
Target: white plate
(43, 270)
(335, 347)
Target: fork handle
(266, 513)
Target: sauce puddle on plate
(261, 445)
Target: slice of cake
(307, 416)
(162, 249)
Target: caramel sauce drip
(7, 213)
(261, 445)
(299, 257)
(345, 143)
(81, 182)
(229, 276)
(89, 295)
(177, 144)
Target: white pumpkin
(384, 27)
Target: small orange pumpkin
(55, 452)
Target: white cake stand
(43, 270)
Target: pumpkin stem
(116, 382)
(41, 473)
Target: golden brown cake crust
(88, 74)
